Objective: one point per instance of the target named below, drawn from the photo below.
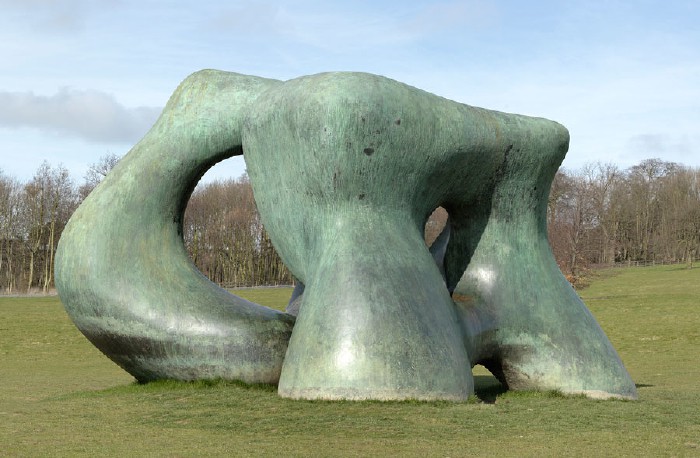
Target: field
(60, 397)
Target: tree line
(602, 215)
(221, 229)
(598, 215)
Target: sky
(81, 79)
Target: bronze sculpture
(346, 168)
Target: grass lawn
(61, 397)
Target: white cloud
(90, 115)
(53, 15)
(653, 145)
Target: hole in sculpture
(486, 385)
(434, 225)
(223, 234)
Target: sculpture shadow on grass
(345, 168)
(488, 388)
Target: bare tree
(559, 219)
(645, 181)
(48, 202)
(9, 239)
(226, 239)
(601, 181)
(679, 232)
(96, 173)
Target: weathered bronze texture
(346, 168)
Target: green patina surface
(346, 168)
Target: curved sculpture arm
(122, 271)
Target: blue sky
(80, 79)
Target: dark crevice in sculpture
(296, 299)
(438, 249)
(493, 365)
(345, 168)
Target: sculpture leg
(529, 326)
(376, 320)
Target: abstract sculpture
(346, 168)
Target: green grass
(274, 297)
(61, 397)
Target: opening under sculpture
(345, 168)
